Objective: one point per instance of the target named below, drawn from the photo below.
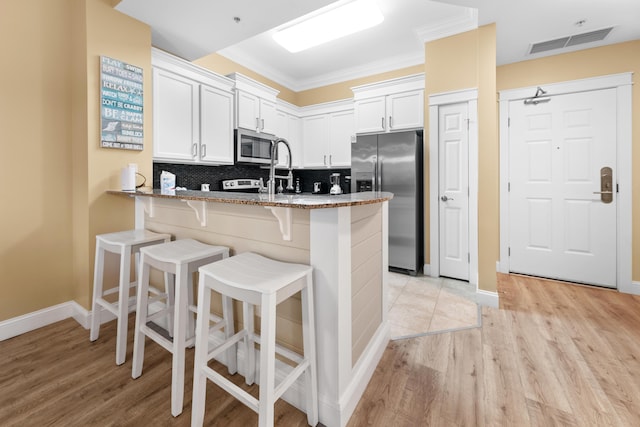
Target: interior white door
(453, 140)
(558, 226)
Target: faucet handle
(261, 188)
(290, 180)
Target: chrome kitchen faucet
(271, 184)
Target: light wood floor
(553, 354)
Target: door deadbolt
(606, 185)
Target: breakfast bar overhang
(343, 237)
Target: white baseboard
(31, 321)
(487, 298)
(633, 288)
(426, 270)
(41, 318)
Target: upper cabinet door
(175, 112)
(405, 110)
(268, 117)
(248, 112)
(370, 115)
(315, 137)
(216, 131)
(341, 132)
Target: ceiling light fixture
(347, 19)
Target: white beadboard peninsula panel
(366, 277)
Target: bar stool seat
(256, 280)
(180, 258)
(123, 243)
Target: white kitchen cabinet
(255, 105)
(315, 134)
(216, 129)
(256, 113)
(327, 136)
(389, 106)
(341, 135)
(192, 113)
(405, 110)
(288, 127)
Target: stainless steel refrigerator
(393, 162)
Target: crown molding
(467, 21)
(364, 70)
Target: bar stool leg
(200, 356)
(123, 304)
(98, 271)
(141, 318)
(309, 347)
(169, 288)
(179, 338)
(249, 346)
(227, 318)
(267, 360)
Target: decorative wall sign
(121, 108)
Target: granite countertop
(299, 201)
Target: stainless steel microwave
(253, 147)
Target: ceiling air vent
(576, 39)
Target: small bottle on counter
(298, 186)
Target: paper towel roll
(128, 178)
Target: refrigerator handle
(375, 173)
(379, 176)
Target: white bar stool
(123, 243)
(256, 280)
(180, 258)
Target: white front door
(558, 226)
(453, 196)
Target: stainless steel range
(246, 185)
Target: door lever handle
(445, 198)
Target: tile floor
(424, 305)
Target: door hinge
(508, 186)
(617, 188)
(468, 256)
(509, 122)
(509, 251)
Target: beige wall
(35, 118)
(50, 120)
(466, 61)
(109, 33)
(618, 58)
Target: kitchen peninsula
(344, 237)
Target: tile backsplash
(192, 176)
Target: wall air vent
(576, 39)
